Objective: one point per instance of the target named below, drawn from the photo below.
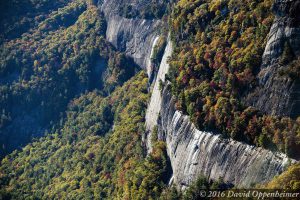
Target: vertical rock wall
(193, 152)
(135, 36)
(155, 101)
(279, 94)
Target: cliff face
(134, 36)
(137, 37)
(279, 94)
(154, 106)
(193, 152)
(285, 28)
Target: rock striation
(156, 98)
(279, 94)
(193, 152)
(134, 36)
(285, 29)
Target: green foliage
(263, 141)
(287, 54)
(96, 151)
(79, 162)
(120, 69)
(18, 16)
(154, 9)
(218, 50)
(64, 55)
(158, 50)
(154, 135)
(292, 69)
(194, 190)
(171, 193)
(287, 180)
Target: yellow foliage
(289, 179)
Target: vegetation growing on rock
(62, 82)
(219, 46)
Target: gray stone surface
(193, 152)
(276, 94)
(155, 101)
(133, 36)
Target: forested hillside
(219, 48)
(65, 55)
(90, 157)
(93, 147)
(152, 9)
(73, 102)
(18, 16)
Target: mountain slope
(89, 158)
(278, 80)
(218, 54)
(40, 72)
(71, 82)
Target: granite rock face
(285, 29)
(277, 94)
(154, 106)
(134, 36)
(193, 152)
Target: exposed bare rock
(155, 101)
(277, 94)
(134, 36)
(193, 152)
